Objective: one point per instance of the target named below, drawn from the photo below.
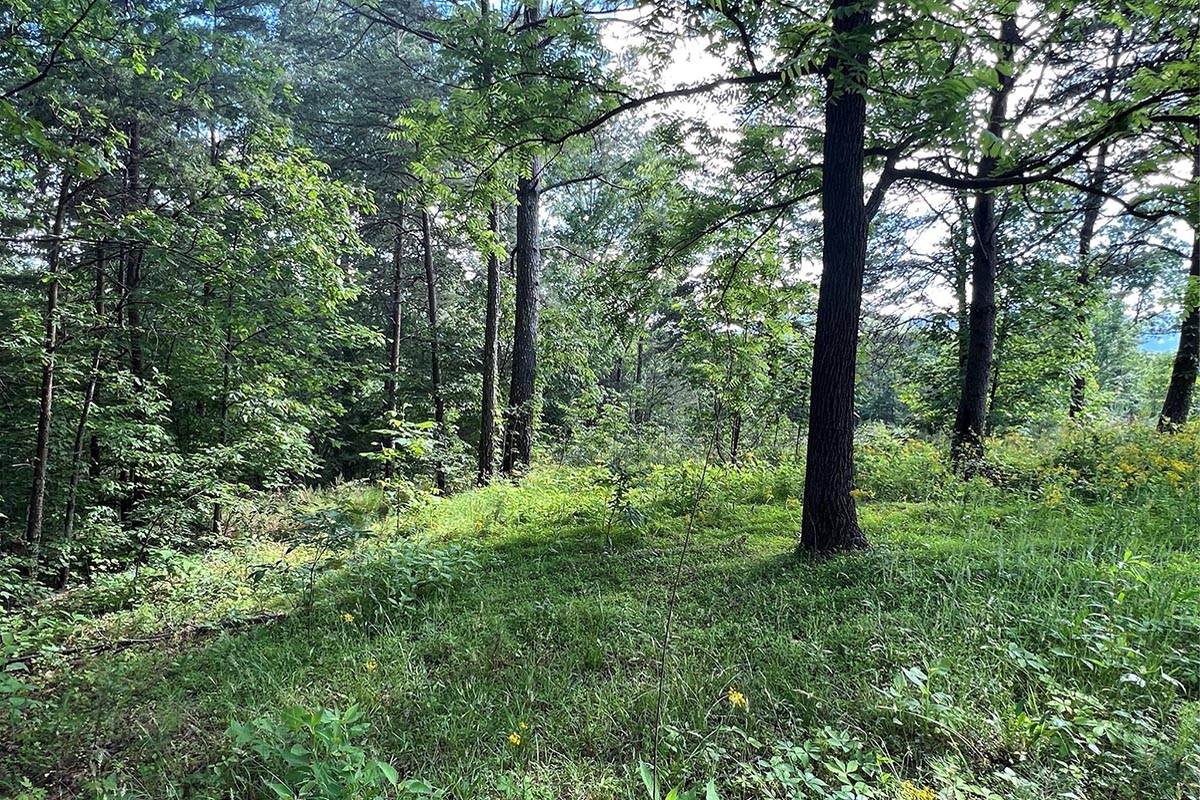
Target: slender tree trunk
(967, 444)
(78, 452)
(131, 276)
(101, 311)
(393, 332)
(518, 432)
(133, 252)
(830, 520)
(41, 457)
(735, 436)
(491, 354)
(1092, 202)
(435, 364)
(77, 457)
(218, 512)
(1178, 402)
(962, 272)
(1083, 281)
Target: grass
(995, 641)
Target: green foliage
(894, 465)
(378, 584)
(1024, 633)
(311, 753)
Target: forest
(598, 399)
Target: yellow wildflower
(522, 725)
(736, 698)
(370, 665)
(910, 791)
(347, 617)
(514, 739)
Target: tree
(830, 521)
(1178, 401)
(967, 447)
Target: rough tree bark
(1178, 401)
(435, 363)
(41, 457)
(518, 430)
(967, 443)
(830, 521)
(491, 355)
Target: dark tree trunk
(78, 452)
(830, 521)
(967, 444)
(77, 456)
(226, 385)
(518, 431)
(130, 278)
(1092, 203)
(1083, 281)
(132, 253)
(735, 436)
(101, 312)
(395, 317)
(435, 363)
(41, 457)
(1178, 401)
(491, 355)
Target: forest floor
(505, 642)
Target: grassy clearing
(1036, 640)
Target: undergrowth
(1033, 633)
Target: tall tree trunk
(1178, 401)
(395, 318)
(830, 520)
(41, 457)
(218, 512)
(967, 444)
(78, 452)
(518, 431)
(1083, 280)
(131, 276)
(962, 272)
(1092, 204)
(435, 364)
(518, 428)
(132, 253)
(491, 354)
(735, 436)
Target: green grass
(1056, 646)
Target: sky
(691, 64)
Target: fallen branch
(190, 631)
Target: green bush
(311, 754)
(383, 580)
(892, 465)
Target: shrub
(311, 754)
(383, 580)
(892, 465)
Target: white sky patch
(690, 63)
